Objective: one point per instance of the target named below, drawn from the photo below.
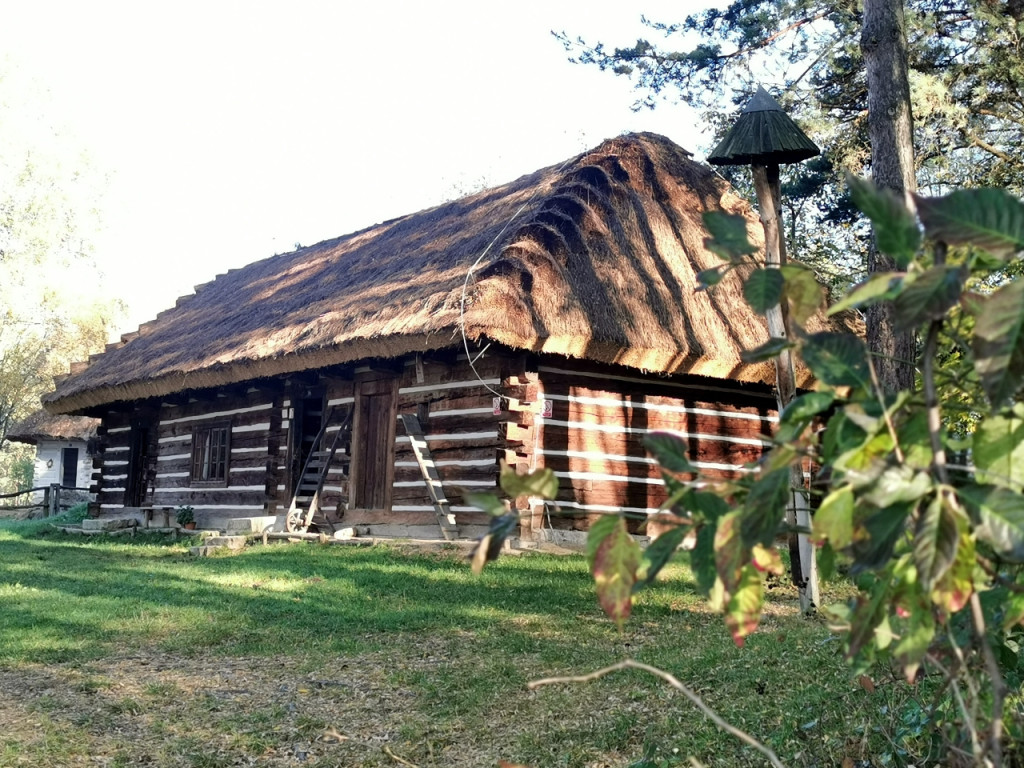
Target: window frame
(200, 460)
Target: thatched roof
(595, 258)
(44, 426)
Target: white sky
(232, 130)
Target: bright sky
(234, 130)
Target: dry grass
(311, 656)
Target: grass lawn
(118, 653)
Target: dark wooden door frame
(297, 431)
(382, 449)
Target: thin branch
(675, 683)
(398, 759)
(877, 386)
(995, 737)
(931, 396)
(982, 144)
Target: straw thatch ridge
(601, 264)
(41, 425)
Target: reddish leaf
(743, 611)
(614, 567)
(954, 589)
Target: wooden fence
(50, 505)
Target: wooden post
(54, 505)
(803, 563)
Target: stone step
(108, 523)
(250, 524)
(230, 542)
(206, 551)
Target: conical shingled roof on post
(763, 135)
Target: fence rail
(51, 504)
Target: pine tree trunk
(890, 129)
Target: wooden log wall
(465, 433)
(251, 416)
(593, 420)
(110, 464)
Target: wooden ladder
(428, 469)
(314, 475)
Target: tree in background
(965, 67)
(52, 311)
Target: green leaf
(999, 518)
(928, 296)
(999, 342)
(998, 449)
(800, 412)
(896, 232)
(877, 288)
(767, 351)
(728, 235)
(702, 559)
(706, 506)
(935, 542)
(616, 560)
(916, 637)
(763, 289)
(671, 451)
(1014, 611)
(875, 536)
(868, 613)
(837, 359)
(708, 278)
(833, 522)
(803, 291)
(489, 546)
(990, 219)
(897, 483)
(765, 508)
(743, 611)
(826, 561)
(488, 502)
(541, 483)
(657, 553)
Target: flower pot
(190, 526)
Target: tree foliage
(936, 546)
(52, 307)
(966, 72)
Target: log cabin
(366, 383)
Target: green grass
(219, 661)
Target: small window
(210, 454)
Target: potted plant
(186, 517)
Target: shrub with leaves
(935, 544)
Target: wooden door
(69, 467)
(138, 464)
(373, 443)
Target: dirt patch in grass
(165, 710)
